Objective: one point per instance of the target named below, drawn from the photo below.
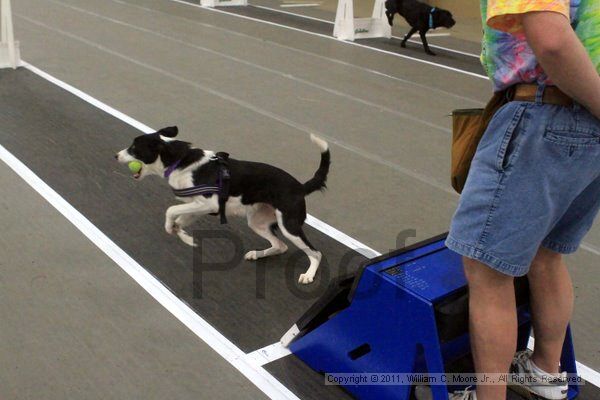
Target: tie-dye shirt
(506, 56)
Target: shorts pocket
(572, 137)
(508, 147)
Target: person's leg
(551, 307)
(530, 176)
(492, 323)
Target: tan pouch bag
(468, 126)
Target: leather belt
(552, 95)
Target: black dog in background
(420, 16)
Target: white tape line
(257, 358)
(219, 343)
(89, 99)
(310, 220)
(299, 51)
(281, 74)
(341, 237)
(436, 34)
(268, 354)
(254, 108)
(300, 5)
(440, 34)
(419, 60)
(592, 249)
(587, 373)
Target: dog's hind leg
(408, 35)
(425, 44)
(291, 227)
(260, 218)
(390, 10)
(390, 18)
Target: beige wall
(467, 16)
(459, 8)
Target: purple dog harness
(222, 190)
(191, 191)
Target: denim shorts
(534, 182)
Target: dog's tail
(317, 182)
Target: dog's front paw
(431, 53)
(251, 255)
(305, 279)
(403, 45)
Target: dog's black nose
(117, 156)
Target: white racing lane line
(346, 146)
(435, 34)
(419, 60)
(300, 51)
(250, 106)
(250, 365)
(281, 74)
(438, 34)
(585, 246)
(310, 220)
(88, 99)
(300, 5)
(246, 365)
(268, 354)
(592, 249)
(341, 237)
(587, 373)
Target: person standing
(533, 189)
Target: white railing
(9, 49)
(349, 28)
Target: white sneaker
(467, 394)
(534, 383)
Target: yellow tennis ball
(135, 166)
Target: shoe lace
(522, 357)
(467, 394)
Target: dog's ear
(169, 131)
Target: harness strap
(171, 168)
(224, 178)
(222, 188)
(196, 191)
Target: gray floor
(84, 329)
(257, 90)
(70, 145)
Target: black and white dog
(420, 16)
(266, 195)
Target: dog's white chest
(181, 180)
